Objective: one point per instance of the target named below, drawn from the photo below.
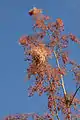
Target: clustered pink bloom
(50, 79)
(34, 116)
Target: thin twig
(62, 80)
(56, 111)
(74, 95)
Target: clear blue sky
(15, 22)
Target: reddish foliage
(65, 57)
(64, 37)
(59, 23)
(35, 11)
(23, 40)
(34, 116)
(74, 38)
(49, 79)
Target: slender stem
(56, 111)
(62, 80)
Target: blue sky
(15, 22)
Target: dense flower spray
(49, 79)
